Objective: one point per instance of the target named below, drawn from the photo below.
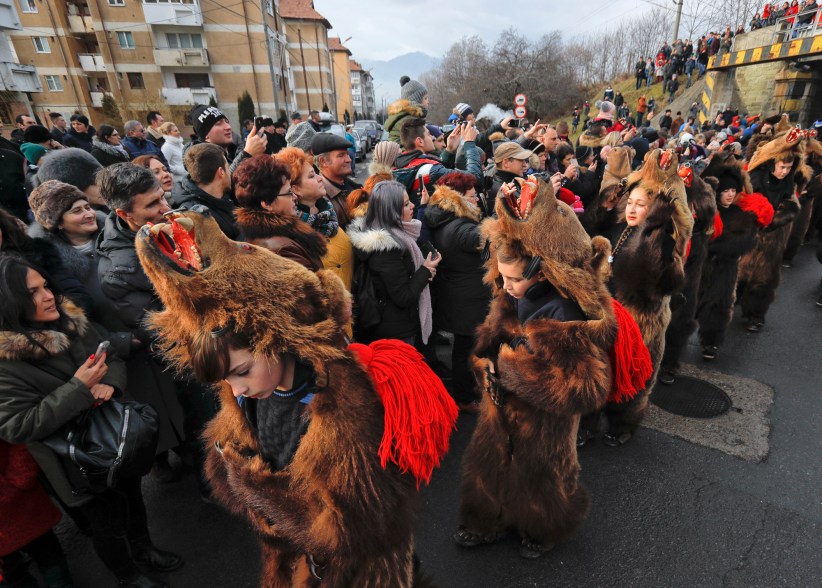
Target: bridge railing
(788, 31)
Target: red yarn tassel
(759, 205)
(419, 412)
(718, 227)
(566, 196)
(630, 359)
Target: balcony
(80, 24)
(165, 57)
(97, 98)
(188, 96)
(9, 21)
(91, 62)
(173, 13)
(17, 77)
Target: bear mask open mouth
(174, 241)
(519, 202)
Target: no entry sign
(520, 112)
(520, 100)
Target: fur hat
(36, 134)
(729, 182)
(300, 135)
(788, 142)
(412, 90)
(205, 117)
(617, 169)
(72, 166)
(51, 200)
(723, 163)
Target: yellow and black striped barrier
(803, 47)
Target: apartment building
(341, 78)
(18, 81)
(362, 91)
(164, 55)
(306, 31)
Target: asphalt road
(665, 511)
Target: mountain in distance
(387, 74)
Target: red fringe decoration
(687, 250)
(718, 227)
(419, 412)
(759, 205)
(630, 359)
(566, 196)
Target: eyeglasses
(289, 193)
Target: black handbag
(115, 439)
(368, 308)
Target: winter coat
(398, 112)
(340, 257)
(172, 149)
(137, 147)
(222, 209)
(81, 140)
(57, 134)
(13, 196)
(285, 235)
(398, 284)
(38, 391)
(108, 154)
(127, 288)
(409, 165)
(337, 195)
(25, 508)
(83, 265)
(500, 177)
(459, 295)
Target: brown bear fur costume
(760, 269)
(648, 266)
(807, 197)
(520, 470)
(334, 503)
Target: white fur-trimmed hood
(370, 240)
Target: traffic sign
(520, 100)
(520, 112)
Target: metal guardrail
(787, 31)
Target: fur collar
(262, 224)
(370, 240)
(405, 106)
(23, 347)
(452, 201)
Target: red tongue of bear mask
(521, 201)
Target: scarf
(172, 140)
(325, 221)
(110, 149)
(407, 237)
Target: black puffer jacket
(397, 283)
(460, 297)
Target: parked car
(372, 128)
(362, 143)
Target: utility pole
(678, 18)
(305, 76)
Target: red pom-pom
(718, 226)
(630, 358)
(759, 205)
(566, 196)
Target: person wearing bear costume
(321, 455)
(544, 356)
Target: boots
(150, 559)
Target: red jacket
(25, 509)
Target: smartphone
(428, 247)
(101, 349)
(574, 162)
(518, 123)
(258, 122)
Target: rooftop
(334, 44)
(301, 10)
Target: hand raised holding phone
(95, 367)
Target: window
(126, 39)
(135, 80)
(184, 40)
(41, 44)
(116, 2)
(192, 80)
(54, 84)
(28, 6)
(269, 7)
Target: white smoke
(493, 113)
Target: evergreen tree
(245, 107)
(212, 102)
(111, 111)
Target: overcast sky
(383, 29)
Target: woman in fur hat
(601, 214)
(741, 214)
(320, 458)
(267, 213)
(776, 169)
(648, 254)
(460, 297)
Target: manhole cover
(691, 397)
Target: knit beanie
(412, 90)
(386, 153)
(434, 130)
(33, 152)
(71, 165)
(300, 135)
(51, 200)
(203, 118)
(463, 110)
(582, 152)
(36, 134)
(606, 110)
